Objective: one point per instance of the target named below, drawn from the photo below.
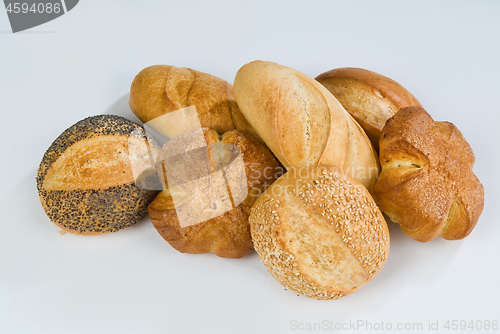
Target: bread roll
(302, 122)
(319, 232)
(160, 89)
(427, 185)
(369, 97)
(95, 177)
(228, 233)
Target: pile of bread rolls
(323, 158)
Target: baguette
(302, 122)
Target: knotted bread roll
(227, 234)
(427, 185)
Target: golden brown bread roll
(227, 235)
(427, 185)
(319, 232)
(161, 89)
(302, 122)
(369, 97)
(88, 178)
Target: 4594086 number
(472, 325)
(19, 7)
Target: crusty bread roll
(228, 234)
(302, 122)
(161, 89)
(95, 177)
(427, 185)
(369, 97)
(319, 232)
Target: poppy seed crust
(100, 210)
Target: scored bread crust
(302, 122)
(161, 89)
(319, 232)
(427, 185)
(371, 98)
(70, 187)
(227, 235)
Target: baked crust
(227, 235)
(369, 97)
(427, 185)
(85, 179)
(319, 232)
(161, 89)
(301, 121)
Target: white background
(447, 53)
